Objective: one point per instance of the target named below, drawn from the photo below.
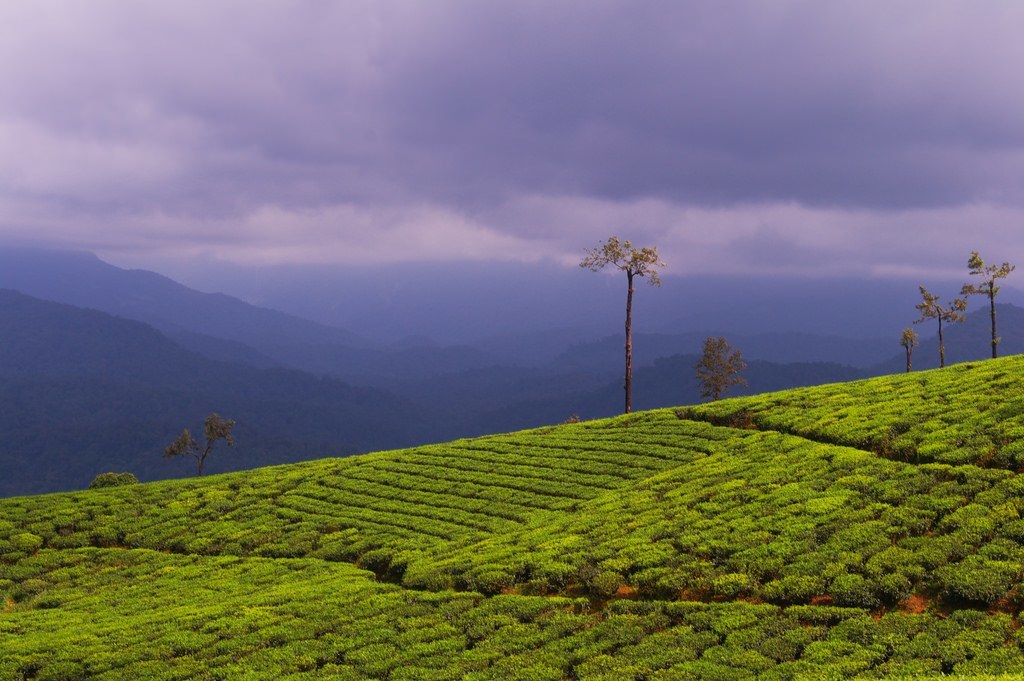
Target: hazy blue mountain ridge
(774, 347)
(220, 326)
(84, 280)
(480, 303)
(82, 392)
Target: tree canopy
(719, 368)
(635, 262)
(214, 428)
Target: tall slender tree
(952, 313)
(909, 340)
(635, 262)
(719, 368)
(987, 287)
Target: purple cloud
(397, 131)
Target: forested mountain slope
(752, 538)
(82, 392)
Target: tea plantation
(869, 529)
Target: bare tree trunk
(908, 360)
(628, 385)
(202, 456)
(992, 301)
(942, 348)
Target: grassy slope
(969, 413)
(659, 545)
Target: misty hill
(83, 280)
(220, 326)
(226, 328)
(82, 392)
(464, 302)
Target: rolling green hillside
(861, 529)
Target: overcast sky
(856, 138)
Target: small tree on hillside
(909, 340)
(930, 309)
(215, 428)
(719, 368)
(642, 262)
(988, 274)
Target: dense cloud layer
(844, 137)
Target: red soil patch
(625, 591)
(915, 604)
(822, 600)
(1003, 605)
(692, 595)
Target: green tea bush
(731, 585)
(780, 649)
(893, 587)
(855, 591)
(978, 580)
(705, 670)
(796, 589)
(62, 670)
(606, 583)
(993, 662)
(113, 480)
(607, 668)
(26, 542)
(492, 581)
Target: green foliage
(26, 542)
(719, 368)
(643, 547)
(113, 480)
(622, 255)
(969, 414)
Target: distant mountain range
(84, 280)
(219, 326)
(82, 391)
